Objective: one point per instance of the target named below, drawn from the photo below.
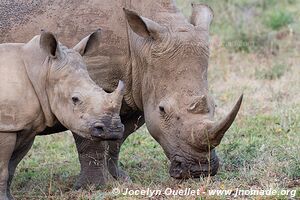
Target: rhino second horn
(218, 129)
(199, 105)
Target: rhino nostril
(99, 128)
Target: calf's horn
(118, 95)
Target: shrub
(278, 18)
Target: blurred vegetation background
(254, 25)
(255, 49)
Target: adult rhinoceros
(160, 55)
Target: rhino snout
(102, 132)
(98, 130)
(182, 169)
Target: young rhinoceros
(42, 83)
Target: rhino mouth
(182, 169)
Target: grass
(272, 73)
(250, 25)
(278, 19)
(255, 51)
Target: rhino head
(67, 93)
(172, 61)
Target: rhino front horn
(118, 95)
(218, 129)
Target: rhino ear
(142, 26)
(88, 44)
(49, 43)
(202, 15)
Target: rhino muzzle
(205, 161)
(101, 132)
(183, 169)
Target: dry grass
(260, 151)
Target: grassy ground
(255, 49)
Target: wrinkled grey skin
(162, 57)
(42, 82)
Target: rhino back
(19, 106)
(72, 20)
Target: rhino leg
(92, 156)
(17, 156)
(99, 159)
(7, 145)
(131, 123)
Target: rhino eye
(75, 100)
(162, 109)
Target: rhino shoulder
(19, 105)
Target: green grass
(249, 25)
(255, 51)
(278, 19)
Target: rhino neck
(37, 71)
